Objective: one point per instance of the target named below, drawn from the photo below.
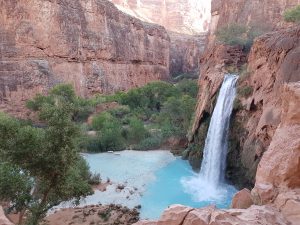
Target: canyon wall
(185, 53)
(266, 123)
(187, 22)
(250, 134)
(264, 15)
(88, 43)
(181, 16)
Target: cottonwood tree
(41, 167)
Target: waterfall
(209, 184)
(215, 150)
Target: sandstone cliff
(187, 23)
(270, 120)
(185, 53)
(181, 16)
(90, 44)
(265, 15)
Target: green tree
(47, 159)
(188, 87)
(292, 15)
(136, 132)
(176, 115)
(237, 34)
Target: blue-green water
(154, 180)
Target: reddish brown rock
(242, 200)
(289, 205)
(280, 164)
(3, 219)
(189, 17)
(174, 215)
(264, 15)
(185, 53)
(94, 214)
(90, 44)
(214, 65)
(255, 215)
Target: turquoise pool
(152, 179)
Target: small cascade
(209, 184)
(215, 150)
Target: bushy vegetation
(41, 167)
(292, 15)
(166, 107)
(237, 34)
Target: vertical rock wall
(88, 43)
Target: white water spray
(215, 150)
(209, 184)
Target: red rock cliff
(266, 14)
(88, 43)
(181, 16)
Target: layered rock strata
(185, 53)
(183, 215)
(182, 16)
(264, 15)
(90, 44)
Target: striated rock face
(182, 215)
(187, 24)
(265, 15)
(90, 44)
(182, 16)
(267, 121)
(273, 61)
(185, 53)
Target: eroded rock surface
(182, 16)
(264, 15)
(95, 214)
(255, 215)
(90, 44)
(3, 218)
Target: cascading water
(209, 184)
(215, 150)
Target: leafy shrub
(136, 131)
(99, 121)
(110, 137)
(245, 91)
(292, 15)
(94, 178)
(188, 87)
(89, 144)
(237, 34)
(120, 111)
(150, 143)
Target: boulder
(242, 200)
(3, 218)
(255, 215)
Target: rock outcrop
(94, 214)
(187, 23)
(214, 65)
(185, 53)
(182, 215)
(266, 146)
(88, 43)
(264, 15)
(188, 17)
(3, 219)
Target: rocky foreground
(94, 214)
(183, 215)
